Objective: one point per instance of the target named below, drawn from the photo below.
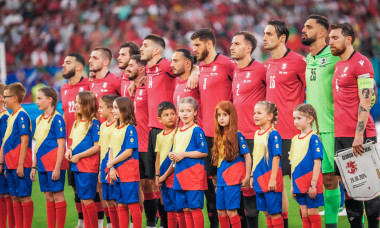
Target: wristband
(251, 176)
(313, 186)
(157, 175)
(1, 163)
(111, 168)
(34, 168)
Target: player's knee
(330, 181)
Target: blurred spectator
(40, 33)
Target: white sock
(131, 225)
(100, 223)
(80, 223)
(109, 225)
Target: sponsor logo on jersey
(323, 61)
(80, 89)
(361, 62)
(283, 66)
(105, 85)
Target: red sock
(17, 210)
(198, 218)
(85, 216)
(278, 223)
(50, 212)
(284, 215)
(79, 208)
(189, 219)
(3, 213)
(136, 214)
(181, 219)
(172, 220)
(106, 212)
(99, 206)
(123, 214)
(92, 213)
(224, 221)
(315, 221)
(27, 211)
(269, 222)
(306, 222)
(113, 216)
(11, 218)
(235, 221)
(60, 212)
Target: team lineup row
(339, 84)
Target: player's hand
(110, 164)
(20, 171)
(179, 156)
(142, 81)
(56, 175)
(157, 180)
(312, 192)
(245, 182)
(193, 81)
(75, 159)
(357, 145)
(132, 89)
(161, 180)
(114, 175)
(272, 185)
(68, 154)
(33, 175)
(171, 156)
(251, 182)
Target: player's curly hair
(50, 93)
(225, 138)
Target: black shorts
(147, 159)
(342, 143)
(285, 163)
(70, 176)
(210, 169)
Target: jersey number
(71, 106)
(204, 83)
(272, 84)
(150, 82)
(237, 89)
(313, 75)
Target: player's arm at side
(314, 180)
(192, 83)
(157, 166)
(365, 88)
(123, 156)
(87, 153)
(23, 151)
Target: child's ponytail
(309, 111)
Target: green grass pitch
(39, 218)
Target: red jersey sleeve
(364, 69)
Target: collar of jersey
(305, 135)
(16, 111)
(186, 128)
(168, 132)
(107, 125)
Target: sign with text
(361, 174)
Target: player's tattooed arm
(365, 95)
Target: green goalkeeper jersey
(319, 74)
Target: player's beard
(308, 40)
(203, 55)
(179, 71)
(132, 76)
(124, 66)
(147, 56)
(338, 51)
(95, 68)
(69, 74)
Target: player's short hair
(248, 37)
(138, 60)
(280, 27)
(78, 58)
(347, 30)
(204, 34)
(2, 88)
(16, 89)
(165, 106)
(105, 53)
(108, 99)
(156, 39)
(322, 20)
(133, 47)
(188, 55)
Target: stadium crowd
(39, 34)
